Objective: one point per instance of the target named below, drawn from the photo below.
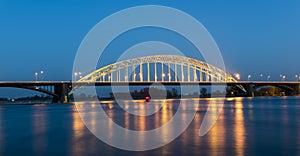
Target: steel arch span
(159, 68)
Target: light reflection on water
(39, 121)
(245, 126)
(239, 129)
(1, 133)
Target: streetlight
(283, 77)
(261, 76)
(36, 76)
(238, 76)
(269, 77)
(75, 76)
(80, 75)
(297, 77)
(42, 72)
(249, 77)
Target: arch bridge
(159, 68)
(148, 70)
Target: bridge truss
(159, 68)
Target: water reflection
(1, 132)
(39, 123)
(239, 128)
(78, 134)
(222, 135)
(245, 127)
(217, 133)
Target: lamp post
(80, 75)
(283, 78)
(261, 77)
(42, 73)
(249, 77)
(237, 76)
(36, 76)
(75, 76)
(268, 77)
(297, 77)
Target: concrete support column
(297, 89)
(61, 90)
(250, 90)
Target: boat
(147, 98)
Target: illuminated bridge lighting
(159, 68)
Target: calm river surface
(258, 126)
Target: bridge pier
(250, 90)
(297, 89)
(61, 90)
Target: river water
(256, 126)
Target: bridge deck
(60, 90)
(52, 83)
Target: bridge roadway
(52, 83)
(61, 89)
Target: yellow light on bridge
(238, 76)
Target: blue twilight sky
(254, 36)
